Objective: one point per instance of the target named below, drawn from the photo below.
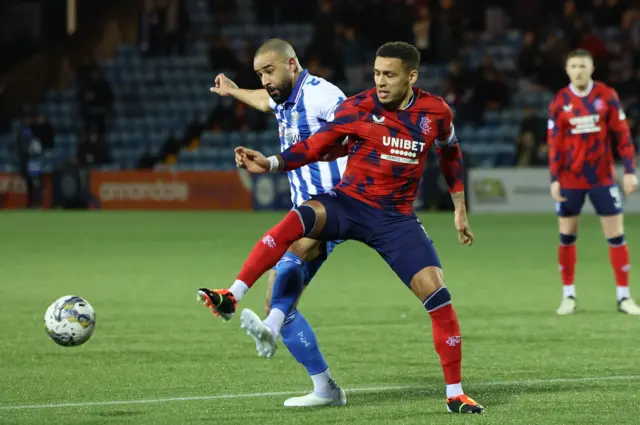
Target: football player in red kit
(584, 119)
(390, 129)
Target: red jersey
(386, 149)
(579, 137)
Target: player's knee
(306, 249)
(567, 240)
(313, 217)
(307, 217)
(426, 282)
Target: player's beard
(283, 92)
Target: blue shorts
(606, 200)
(400, 239)
(311, 267)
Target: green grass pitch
(154, 342)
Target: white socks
(238, 289)
(569, 291)
(454, 390)
(274, 321)
(622, 292)
(323, 384)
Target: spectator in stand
(28, 151)
(608, 13)
(530, 59)
(448, 28)
(353, 58)
(490, 90)
(224, 12)
(92, 151)
(631, 28)
(220, 55)
(178, 27)
(96, 102)
(43, 131)
(532, 146)
(422, 33)
(220, 119)
(554, 51)
(458, 93)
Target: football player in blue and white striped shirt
(301, 103)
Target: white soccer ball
(70, 321)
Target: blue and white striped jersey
(311, 103)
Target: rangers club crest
(425, 125)
(598, 104)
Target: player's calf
(286, 291)
(428, 285)
(270, 283)
(613, 229)
(567, 265)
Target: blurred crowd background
(130, 87)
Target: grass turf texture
(140, 271)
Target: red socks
(270, 249)
(447, 342)
(619, 256)
(567, 262)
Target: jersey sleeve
(328, 101)
(555, 140)
(325, 141)
(448, 151)
(446, 131)
(619, 129)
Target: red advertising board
(13, 191)
(185, 190)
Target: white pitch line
(351, 390)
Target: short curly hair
(407, 53)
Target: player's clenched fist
(629, 183)
(465, 235)
(555, 192)
(253, 161)
(223, 85)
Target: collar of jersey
(409, 104)
(293, 97)
(589, 88)
(413, 97)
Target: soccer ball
(70, 321)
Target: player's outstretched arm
(302, 153)
(258, 99)
(254, 161)
(325, 143)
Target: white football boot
(266, 343)
(628, 306)
(339, 398)
(567, 306)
